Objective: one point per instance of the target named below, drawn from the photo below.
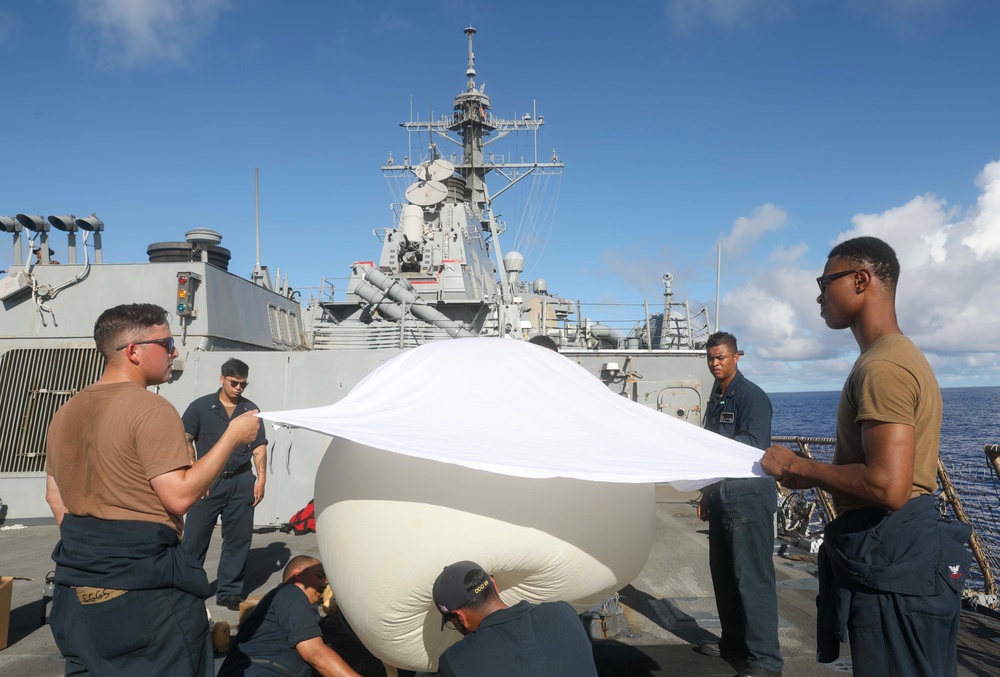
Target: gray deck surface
(669, 606)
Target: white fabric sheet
(518, 409)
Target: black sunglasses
(167, 343)
(824, 280)
(238, 384)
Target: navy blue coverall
(230, 496)
(741, 533)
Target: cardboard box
(247, 606)
(6, 588)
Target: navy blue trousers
(904, 634)
(741, 551)
(143, 632)
(232, 499)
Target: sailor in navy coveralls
(740, 514)
(236, 492)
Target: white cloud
(136, 32)
(916, 230)
(642, 268)
(903, 17)
(687, 15)
(948, 291)
(9, 26)
(748, 229)
(903, 9)
(984, 239)
(786, 256)
(768, 322)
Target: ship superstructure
(440, 275)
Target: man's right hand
(777, 462)
(179, 489)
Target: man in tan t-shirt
(128, 599)
(882, 480)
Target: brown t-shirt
(891, 382)
(104, 446)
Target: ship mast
(473, 122)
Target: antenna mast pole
(718, 284)
(258, 276)
(256, 209)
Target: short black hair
(873, 253)
(234, 367)
(124, 324)
(722, 338)
(544, 341)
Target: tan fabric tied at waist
(89, 595)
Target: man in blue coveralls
(281, 636)
(528, 640)
(740, 515)
(235, 493)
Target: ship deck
(668, 608)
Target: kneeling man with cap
(525, 639)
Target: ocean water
(971, 419)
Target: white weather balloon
(389, 523)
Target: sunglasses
(238, 384)
(167, 343)
(824, 280)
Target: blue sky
(772, 127)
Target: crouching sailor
(281, 636)
(128, 600)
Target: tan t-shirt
(104, 446)
(891, 382)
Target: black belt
(229, 474)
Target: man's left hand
(258, 491)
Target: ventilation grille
(34, 383)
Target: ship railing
(969, 492)
(622, 325)
(326, 290)
(802, 514)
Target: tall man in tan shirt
(891, 568)
(128, 599)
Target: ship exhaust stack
(67, 224)
(10, 225)
(96, 226)
(38, 225)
